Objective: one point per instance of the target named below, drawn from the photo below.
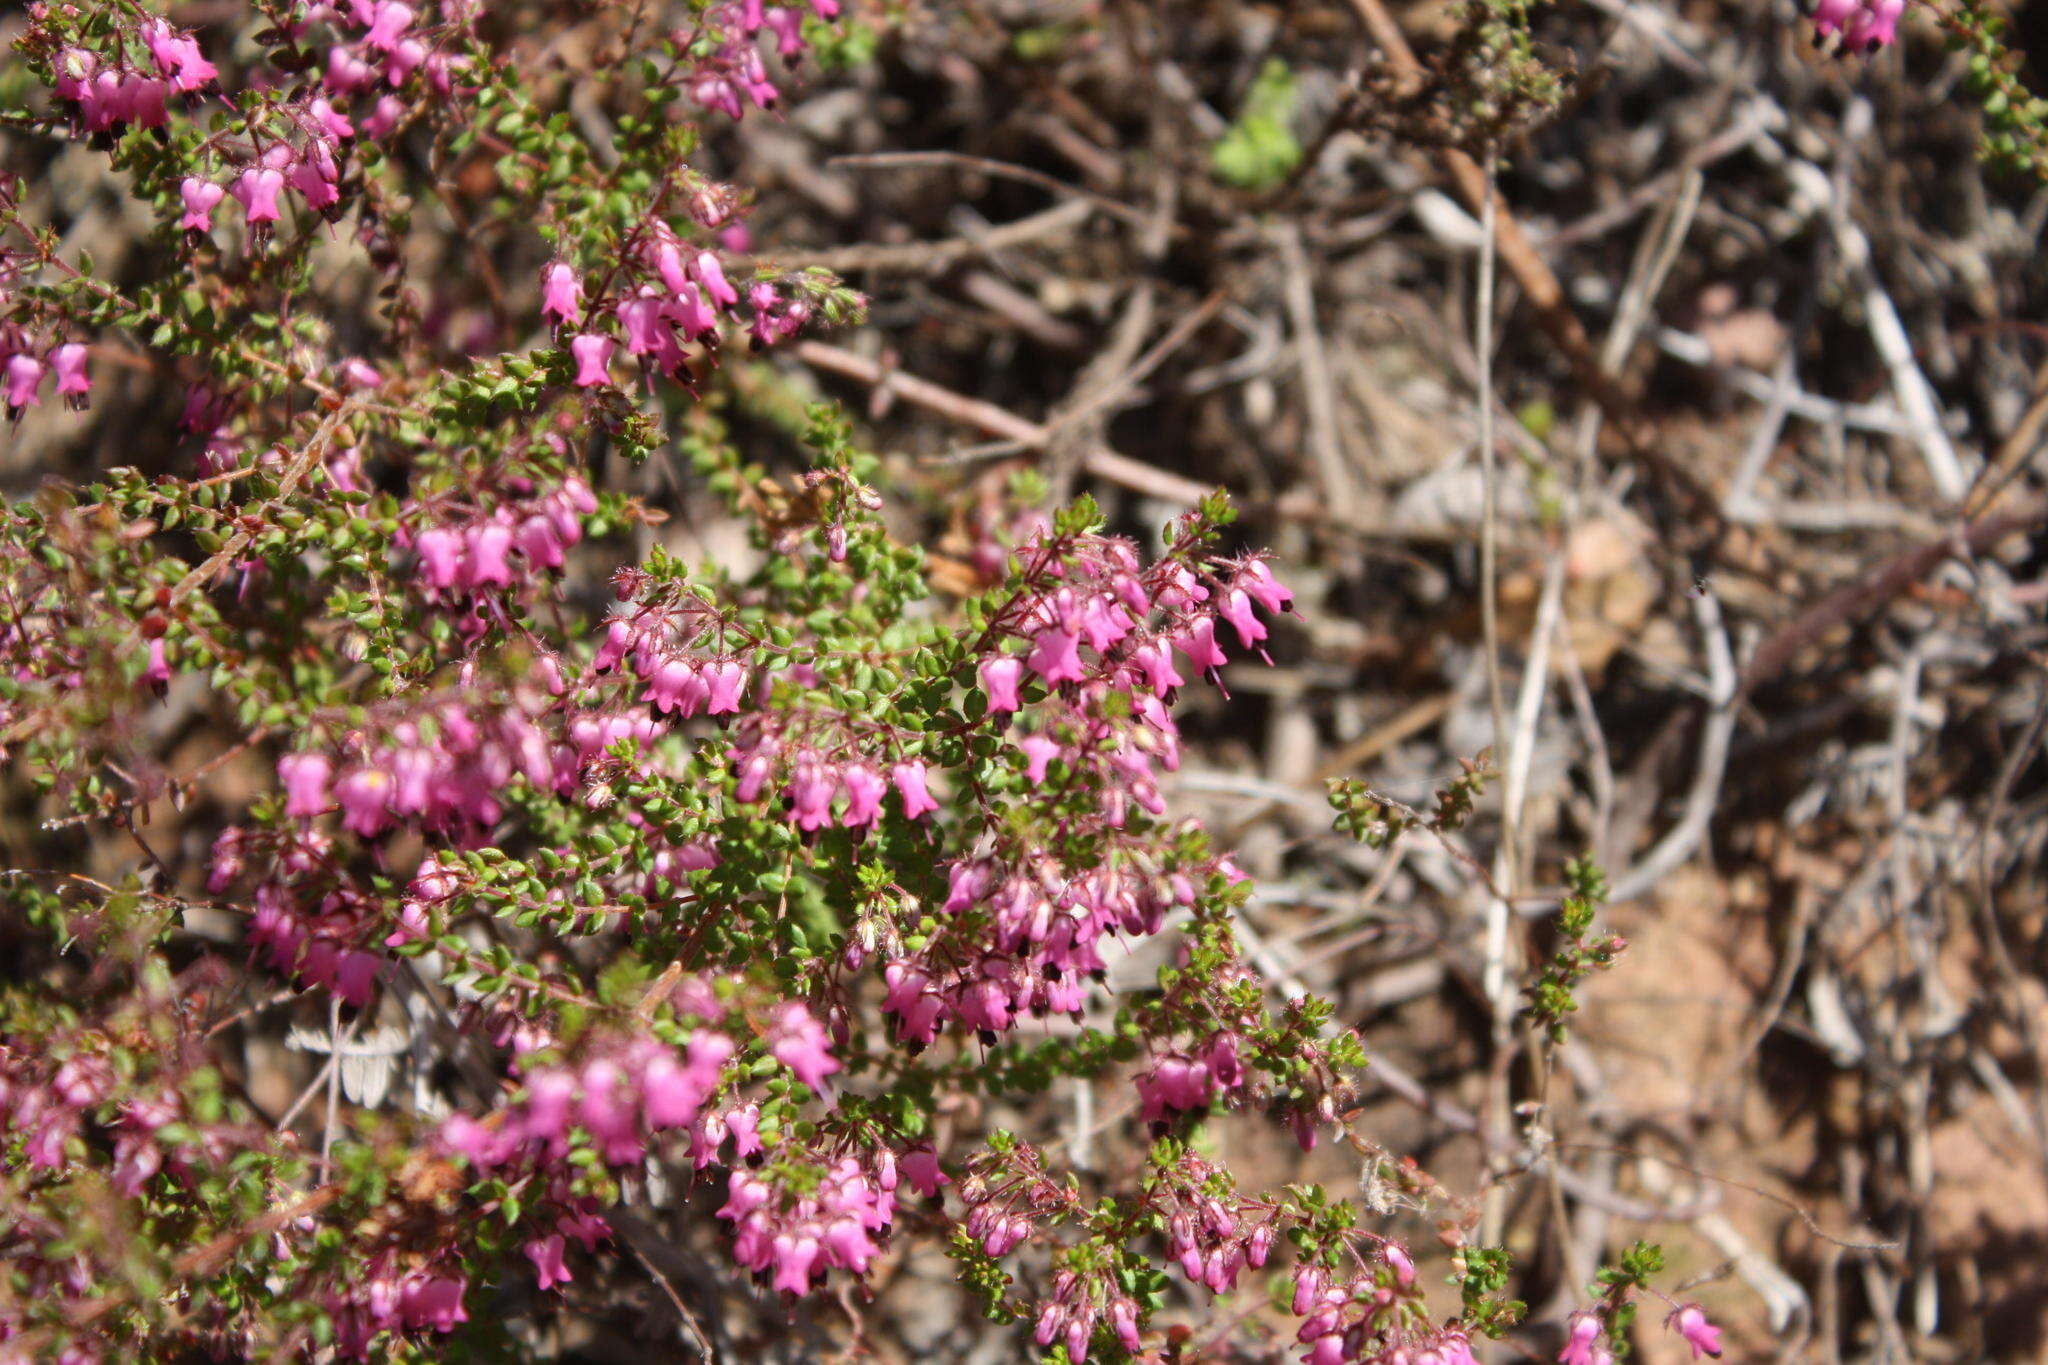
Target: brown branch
(1856, 601)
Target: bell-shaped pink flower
(1039, 750)
(67, 362)
(388, 25)
(727, 679)
(486, 550)
(909, 780)
(1690, 1322)
(810, 795)
(864, 789)
(561, 294)
(24, 375)
(1055, 656)
(1582, 1340)
(199, 196)
(711, 275)
(999, 678)
(546, 1255)
(305, 778)
(1198, 642)
(440, 552)
(1236, 608)
(257, 189)
(593, 354)
(798, 1041)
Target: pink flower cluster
(438, 770)
(677, 682)
(735, 76)
(111, 96)
(795, 1233)
(46, 1107)
(304, 151)
(1179, 1082)
(1076, 1305)
(22, 372)
(1008, 1196)
(1103, 605)
(384, 1298)
(1037, 939)
(1374, 1318)
(1865, 25)
(822, 792)
(677, 299)
(1209, 1239)
(502, 550)
(391, 45)
(320, 948)
(621, 1096)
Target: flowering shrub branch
(738, 881)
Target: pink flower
(1237, 609)
(593, 355)
(1874, 26)
(178, 56)
(641, 317)
(546, 1255)
(158, 671)
(1198, 642)
(1582, 1338)
(1173, 1083)
(440, 552)
(1396, 1256)
(920, 1166)
(671, 1093)
(200, 197)
(999, 677)
(744, 1123)
(434, 1302)
(391, 19)
(74, 385)
(728, 682)
(314, 176)
(1039, 750)
(711, 275)
(486, 549)
(383, 120)
(24, 375)
(1690, 1322)
(606, 1109)
(674, 685)
(347, 71)
(1268, 591)
(909, 779)
(305, 778)
(539, 541)
(257, 189)
(363, 794)
(1054, 656)
(810, 795)
(330, 120)
(1155, 657)
(798, 1041)
(864, 789)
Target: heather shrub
(743, 888)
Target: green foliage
(1483, 1274)
(1260, 150)
(2015, 136)
(1551, 998)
